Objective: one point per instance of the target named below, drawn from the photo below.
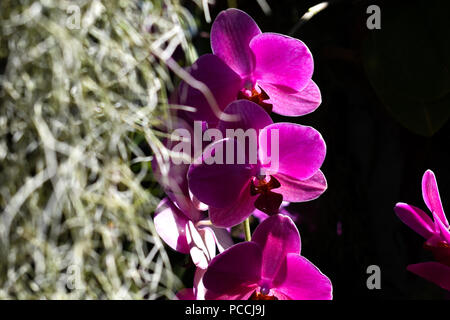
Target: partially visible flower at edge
(436, 232)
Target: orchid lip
(268, 201)
(261, 184)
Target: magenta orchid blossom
(187, 234)
(269, 267)
(436, 232)
(181, 220)
(233, 191)
(203, 250)
(270, 69)
(190, 232)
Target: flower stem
(248, 233)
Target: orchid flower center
(262, 294)
(441, 251)
(268, 201)
(257, 97)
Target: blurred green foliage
(81, 94)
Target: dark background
(386, 102)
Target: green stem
(248, 233)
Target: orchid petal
(282, 60)
(186, 294)
(234, 271)
(236, 212)
(280, 296)
(198, 257)
(277, 236)
(199, 287)
(223, 83)
(198, 246)
(231, 34)
(294, 190)
(416, 219)
(289, 102)
(299, 279)
(250, 116)
(441, 228)
(301, 150)
(173, 178)
(218, 184)
(198, 204)
(222, 238)
(261, 216)
(210, 241)
(170, 225)
(242, 292)
(431, 196)
(435, 272)
(250, 120)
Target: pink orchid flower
(233, 191)
(269, 267)
(201, 254)
(436, 232)
(192, 235)
(203, 250)
(181, 220)
(186, 234)
(270, 69)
